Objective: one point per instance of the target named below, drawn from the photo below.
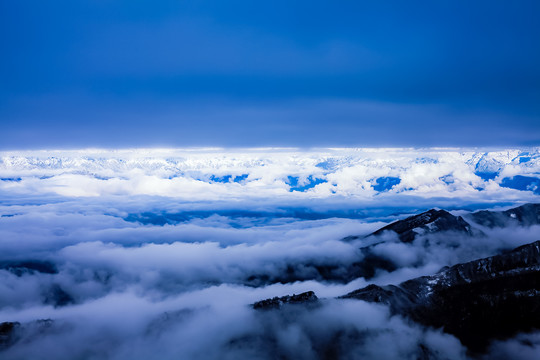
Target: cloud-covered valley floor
(159, 254)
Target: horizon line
(274, 149)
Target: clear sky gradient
(277, 73)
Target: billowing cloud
(286, 175)
(159, 253)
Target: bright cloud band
(223, 174)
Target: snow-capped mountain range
(213, 174)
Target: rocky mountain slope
(431, 221)
(479, 301)
(524, 215)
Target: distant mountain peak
(430, 221)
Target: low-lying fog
(148, 277)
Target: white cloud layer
(152, 251)
(277, 174)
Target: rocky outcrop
(308, 297)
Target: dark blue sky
(281, 73)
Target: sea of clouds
(221, 174)
(152, 253)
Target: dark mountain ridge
(427, 222)
(436, 221)
(479, 301)
(524, 215)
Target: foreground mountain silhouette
(479, 301)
